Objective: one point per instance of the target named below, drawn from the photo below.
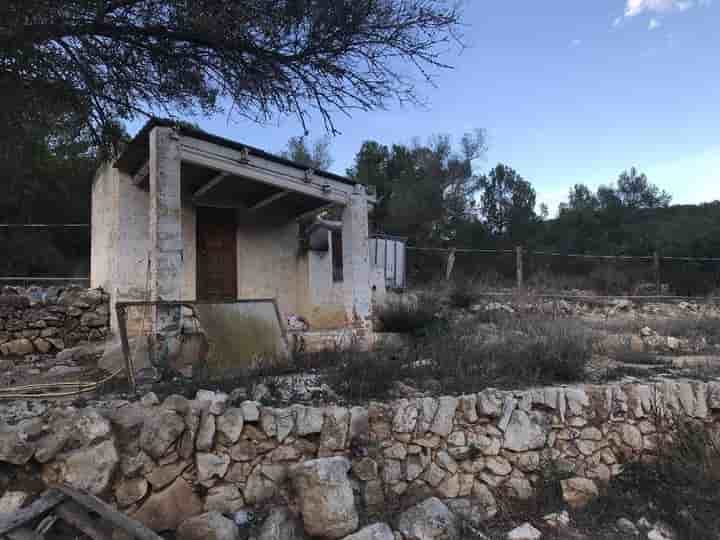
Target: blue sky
(569, 91)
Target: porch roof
(219, 172)
(137, 151)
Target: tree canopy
(115, 59)
(426, 191)
(315, 155)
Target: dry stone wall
(165, 462)
(44, 321)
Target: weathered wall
(149, 458)
(48, 320)
(324, 307)
(268, 263)
(120, 238)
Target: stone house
(187, 215)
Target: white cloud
(654, 24)
(636, 7)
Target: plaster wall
(119, 242)
(268, 263)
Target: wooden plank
(108, 513)
(48, 500)
(211, 184)
(269, 200)
(75, 515)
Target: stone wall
(45, 321)
(164, 462)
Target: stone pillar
(166, 260)
(356, 259)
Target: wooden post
(656, 269)
(519, 266)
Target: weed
(629, 356)
(462, 297)
(407, 316)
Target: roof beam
(269, 200)
(221, 158)
(211, 184)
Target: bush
(629, 356)
(690, 280)
(610, 280)
(462, 297)
(406, 316)
(680, 487)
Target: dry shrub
(462, 297)
(680, 487)
(408, 316)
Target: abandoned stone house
(185, 215)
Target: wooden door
(216, 254)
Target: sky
(568, 91)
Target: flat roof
(137, 151)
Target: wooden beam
(211, 184)
(109, 514)
(269, 200)
(221, 158)
(49, 500)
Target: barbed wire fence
(523, 268)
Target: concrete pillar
(166, 261)
(356, 259)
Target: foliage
(454, 360)
(405, 316)
(462, 296)
(317, 155)
(678, 488)
(507, 203)
(427, 191)
(117, 59)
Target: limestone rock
(326, 499)
(206, 432)
(490, 403)
(250, 410)
(162, 476)
(406, 416)
(524, 532)
(167, 509)
(429, 520)
(130, 491)
(334, 434)
(160, 431)
(443, 421)
(260, 485)
(377, 531)
(14, 446)
(218, 400)
(230, 425)
(225, 499)
(88, 469)
(309, 420)
(661, 531)
(526, 431)
(210, 526)
(12, 501)
(485, 500)
(17, 347)
(359, 424)
(278, 423)
(210, 466)
(577, 491)
(281, 524)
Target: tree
(115, 59)
(426, 191)
(317, 156)
(581, 198)
(507, 203)
(634, 191)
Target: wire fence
(524, 268)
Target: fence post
(656, 269)
(519, 266)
